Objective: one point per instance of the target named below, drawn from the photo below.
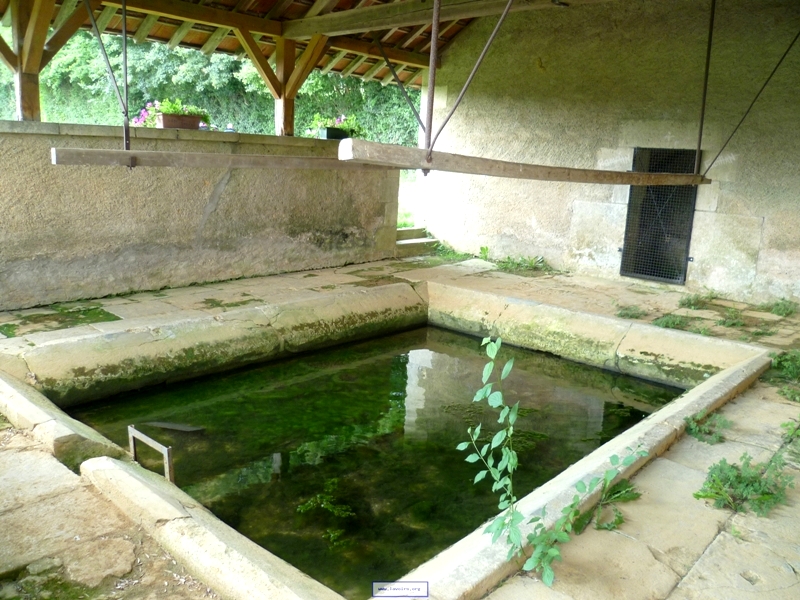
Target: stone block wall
(583, 86)
(73, 232)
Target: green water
(343, 462)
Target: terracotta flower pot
(167, 121)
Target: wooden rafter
(64, 11)
(259, 62)
(373, 71)
(308, 60)
(412, 36)
(353, 66)
(389, 78)
(144, 29)
(179, 34)
(7, 56)
(333, 61)
(63, 34)
(215, 17)
(109, 158)
(280, 7)
(401, 157)
(371, 49)
(105, 17)
(406, 14)
(321, 7)
(221, 33)
(36, 35)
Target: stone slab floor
(59, 539)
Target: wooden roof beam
(69, 26)
(215, 39)
(202, 14)
(371, 49)
(177, 37)
(408, 14)
(308, 60)
(260, 62)
(7, 56)
(64, 11)
(144, 29)
(401, 157)
(333, 61)
(36, 35)
(105, 17)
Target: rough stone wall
(582, 87)
(72, 232)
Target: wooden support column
(285, 52)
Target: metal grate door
(659, 225)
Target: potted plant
(168, 114)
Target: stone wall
(582, 87)
(72, 232)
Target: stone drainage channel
(75, 365)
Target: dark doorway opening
(659, 225)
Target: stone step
(415, 247)
(411, 233)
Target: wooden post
(29, 25)
(27, 93)
(285, 52)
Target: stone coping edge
(215, 553)
(473, 566)
(113, 131)
(69, 440)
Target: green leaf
(495, 399)
(498, 342)
(491, 350)
(462, 446)
(610, 474)
(530, 564)
(472, 458)
(504, 505)
(512, 416)
(614, 460)
(503, 414)
(483, 392)
(504, 462)
(487, 371)
(479, 476)
(485, 341)
(498, 438)
(507, 369)
(477, 433)
(484, 450)
(548, 576)
(581, 487)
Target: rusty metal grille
(659, 225)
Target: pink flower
(149, 104)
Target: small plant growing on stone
(631, 312)
(733, 318)
(484, 253)
(700, 330)
(790, 393)
(787, 365)
(706, 428)
(783, 307)
(517, 265)
(757, 487)
(695, 301)
(672, 322)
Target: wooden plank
(7, 56)
(369, 48)
(36, 35)
(144, 29)
(64, 11)
(280, 7)
(180, 33)
(354, 64)
(321, 7)
(412, 36)
(389, 78)
(176, 9)
(401, 157)
(261, 64)
(110, 158)
(68, 28)
(373, 70)
(333, 61)
(28, 100)
(407, 14)
(105, 17)
(214, 40)
(308, 60)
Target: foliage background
(75, 89)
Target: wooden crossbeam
(144, 29)
(401, 157)
(7, 56)
(68, 27)
(105, 17)
(308, 60)
(36, 35)
(260, 62)
(407, 14)
(215, 39)
(64, 11)
(369, 48)
(179, 34)
(321, 7)
(123, 158)
(216, 17)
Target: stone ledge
(223, 558)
